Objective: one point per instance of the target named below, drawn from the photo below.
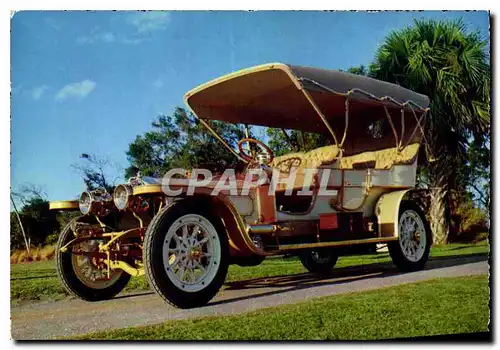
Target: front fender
(240, 242)
(64, 205)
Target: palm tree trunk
(438, 218)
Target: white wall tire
(78, 275)
(412, 237)
(411, 251)
(186, 254)
(86, 271)
(191, 252)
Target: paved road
(72, 317)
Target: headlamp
(121, 196)
(85, 202)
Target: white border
(214, 4)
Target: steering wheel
(250, 157)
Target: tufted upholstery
(384, 159)
(304, 160)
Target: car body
(341, 198)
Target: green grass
(441, 306)
(39, 281)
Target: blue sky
(89, 82)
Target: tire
(319, 261)
(168, 256)
(72, 277)
(415, 257)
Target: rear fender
(387, 212)
(387, 209)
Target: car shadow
(459, 248)
(340, 275)
(286, 283)
(134, 295)
(385, 267)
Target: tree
(468, 222)
(17, 226)
(359, 70)
(28, 191)
(95, 172)
(478, 174)
(34, 218)
(295, 140)
(449, 64)
(181, 141)
(152, 152)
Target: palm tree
(446, 62)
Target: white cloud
(84, 40)
(38, 92)
(107, 37)
(96, 37)
(131, 41)
(149, 21)
(78, 90)
(52, 23)
(158, 84)
(143, 22)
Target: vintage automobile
(344, 198)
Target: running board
(336, 244)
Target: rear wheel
(319, 261)
(186, 255)
(83, 273)
(411, 251)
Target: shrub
(469, 224)
(36, 254)
(52, 238)
(47, 252)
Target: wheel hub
(416, 236)
(194, 254)
(89, 267)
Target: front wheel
(319, 261)
(411, 251)
(186, 255)
(83, 272)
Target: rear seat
(384, 159)
(304, 160)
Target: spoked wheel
(411, 251)
(319, 261)
(186, 256)
(83, 273)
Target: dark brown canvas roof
(269, 95)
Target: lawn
(38, 280)
(441, 306)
